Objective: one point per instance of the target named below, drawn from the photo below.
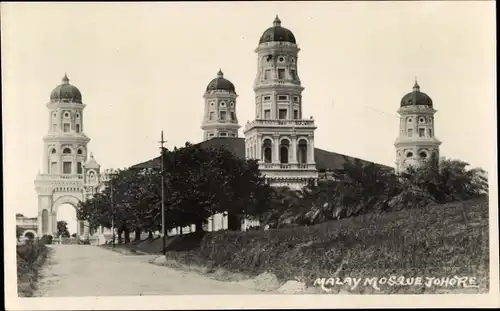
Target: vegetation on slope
(30, 258)
(435, 241)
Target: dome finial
(65, 79)
(277, 21)
(220, 74)
(416, 87)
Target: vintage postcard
(208, 155)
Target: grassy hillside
(436, 241)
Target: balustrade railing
(284, 165)
(278, 122)
(63, 176)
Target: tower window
(292, 74)
(422, 120)
(77, 128)
(79, 168)
(282, 97)
(66, 151)
(421, 132)
(267, 98)
(212, 114)
(77, 115)
(53, 151)
(282, 114)
(296, 99)
(409, 120)
(233, 134)
(223, 115)
(223, 134)
(267, 75)
(281, 74)
(80, 151)
(267, 114)
(233, 116)
(284, 151)
(223, 104)
(210, 134)
(410, 132)
(295, 114)
(66, 115)
(409, 154)
(66, 167)
(430, 132)
(423, 154)
(281, 59)
(232, 104)
(66, 127)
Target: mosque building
(280, 137)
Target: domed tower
(62, 178)
(279, 137)
(416, 142)
(220, 119)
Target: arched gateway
(68, 174)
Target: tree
(19, 232)
(62, 229)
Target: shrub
(46, 239)
(30, 258)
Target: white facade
(416, 141)
(68, 173)
(279, 137)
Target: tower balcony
(276, 123)
(417, 140)
(286, 166)
(56, 177)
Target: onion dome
(66, 92)
(416, 98)
(277, 34)
(91, 162)
(221, 84)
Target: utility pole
(112, 214)
(162, 195)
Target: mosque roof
(325, 160)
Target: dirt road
(85, 270)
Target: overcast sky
(143, 67)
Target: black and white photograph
(208, 155)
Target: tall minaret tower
(220, 119)
(416, 142)
(62, 178)
(279, 137)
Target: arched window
(302, 151)
(423, 154)
(66, 151)
(267, 151)
(409, 154)
(80, 151)
(284, 151)
(53, 151)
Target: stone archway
(48, 206)
(29, 233)
(68, 199)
